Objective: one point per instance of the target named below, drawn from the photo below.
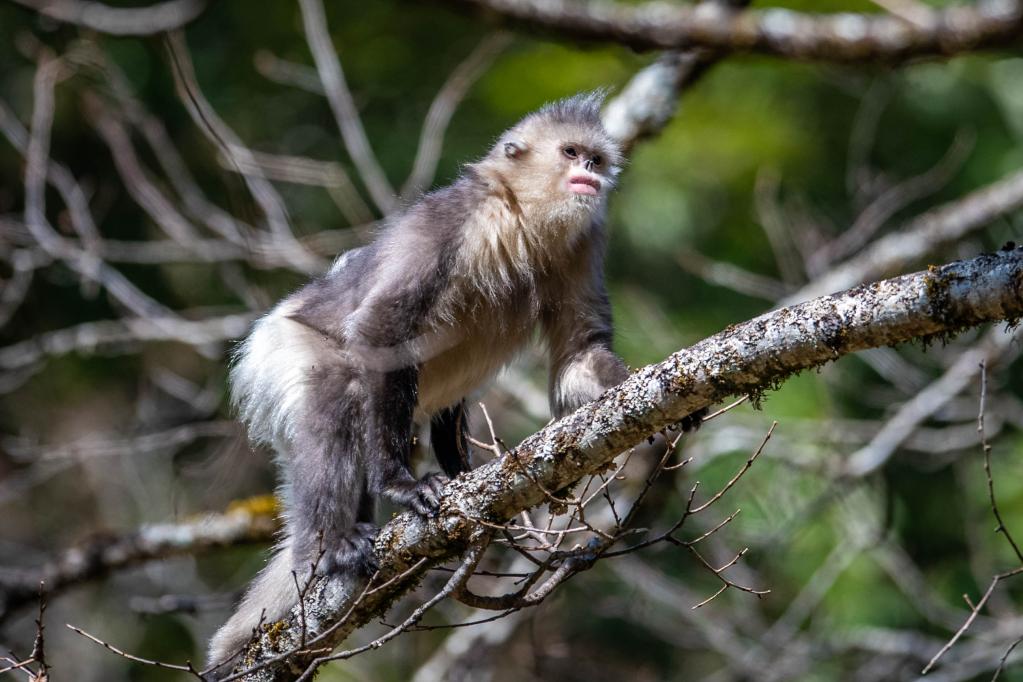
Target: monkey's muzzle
(584, 184)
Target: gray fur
(398, 332)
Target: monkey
(339, 376)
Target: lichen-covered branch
(844, 37)
(747, 358)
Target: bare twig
(925, 403)
(188, 668)
(91, 337)
(1005, 657)
(731, 276)
(455, 582)
(343, 106)
(875, 215)
(975, 608)
(443, 107)
(305, 171)
(36, 163)
(288, 73)
(986, 449)
(228, 143)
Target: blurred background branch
(839, 37)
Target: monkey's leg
(389, 427)
(326, 508)
(449, 430)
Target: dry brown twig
(38, 656)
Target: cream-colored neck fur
(511, 239)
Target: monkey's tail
(270, 597)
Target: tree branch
(746, 358)
(342, 104)
(844, 37)
(249, 521)
(919, 237)
(120, 21)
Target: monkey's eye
(570, 152)
(597, 159)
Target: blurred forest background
(771, 173)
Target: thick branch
(746, 358)
(828, 37)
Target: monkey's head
(559, 161)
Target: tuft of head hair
(577, 116)
(581, 109)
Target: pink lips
(584, 184)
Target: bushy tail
(271, 595)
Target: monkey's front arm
(578, 331)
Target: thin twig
(431, 138)
(986, 449)
(343, 105)
(187, 668)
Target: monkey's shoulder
(443, 212)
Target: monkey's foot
(352, 552)
(422, 496)
(690, 422)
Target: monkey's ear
(513, 149)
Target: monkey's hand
(690, 422)
(422, 496)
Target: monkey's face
(584, 168)
(566, 169)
